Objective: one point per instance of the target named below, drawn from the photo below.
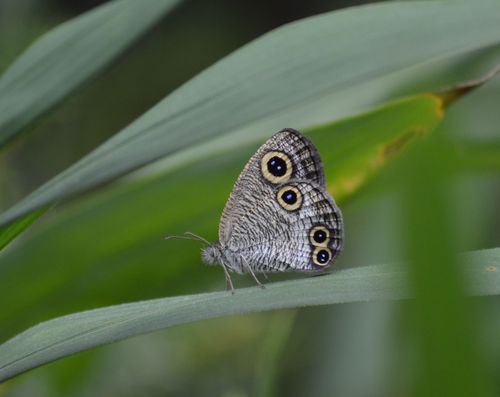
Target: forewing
(286, 156)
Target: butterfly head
(213, 254)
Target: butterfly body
(279, 216)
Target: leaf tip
(451, 94)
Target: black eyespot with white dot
(289, 197)
(276, 166)
(319, 236)
(321, 256)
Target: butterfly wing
(286, 155)
(306, 233)
(278, 206)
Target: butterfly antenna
(188, 236)
(196, 237)
(179, 238)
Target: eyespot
(289, 197)
(321, 256)
(276, 167)
(319, 236)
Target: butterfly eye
(290, 198)
(319, 236)
(276, 167)
(321, 256)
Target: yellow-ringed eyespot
(321, 256)
(289, 197)
(319, 236)
(276, 167)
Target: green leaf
(474, 155)
(68, 56)
(70, 334)
(358, 148)
(8, 233)
(289, 67)
(134, 218)
(442, 321)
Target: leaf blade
(10, 232)
(67, 335)
(67, 56)
(278, 72)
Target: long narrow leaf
(68, 55)
(66, 335)
(8, 233)
(444, 334)
(286, 68)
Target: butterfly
(279, 216)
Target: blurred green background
(362, 349)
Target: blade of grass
(286, 68)
(9, 233)
(66, 335)
(449, 363)
(67, 56)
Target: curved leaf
(66, 335)
(286, 68)
(8, 233)
(67, 56)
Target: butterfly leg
(229, 282)
(253, 274)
